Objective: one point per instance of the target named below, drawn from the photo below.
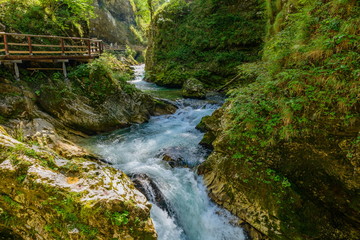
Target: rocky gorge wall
(286, 144)
(115, 23)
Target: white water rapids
(137, 150)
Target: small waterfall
(181, 208)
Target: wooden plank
(2, 50)
(18, 51)
(53, 46)
(26, 52)
(76, 52)
(17, 44)
(60, 60)
(47, 36)
(48, 52)
(34, 45)
(47, 57)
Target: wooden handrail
(84, 46)
(49, 36)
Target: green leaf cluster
(52, 17)
(203, 39)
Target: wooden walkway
(16, 48)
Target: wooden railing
(14, 45)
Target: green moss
(15, 153)
(101, 78)
(117, 218)
(286, 117)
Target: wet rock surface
(45, 196)
(113, 23)
(118, 110)
(152, 192)
(174, 156)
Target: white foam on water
(135, 150)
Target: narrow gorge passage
(185, 210)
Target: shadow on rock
(152, 192)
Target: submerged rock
(174, 156)
(45, 196)
(193, 88)
(210, 125)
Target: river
(188, 214)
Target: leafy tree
(60, 17)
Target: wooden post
(89, 47)
(30, 46)
(101, 47)
(62, 46)
(64, 71)
(17, 73)
(6, 45)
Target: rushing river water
(188, 213)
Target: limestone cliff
(115, 23)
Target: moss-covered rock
(286, 145)
(45, 196)
(96, 99)
(193, 88)
(299, 189)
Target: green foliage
(22, 149)
(10, 201)
(203, 39)
(301, 82)
(54, 17)
(305, 87)
(101, 78)
(118, 218)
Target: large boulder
(45, 196)
(193, 88)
